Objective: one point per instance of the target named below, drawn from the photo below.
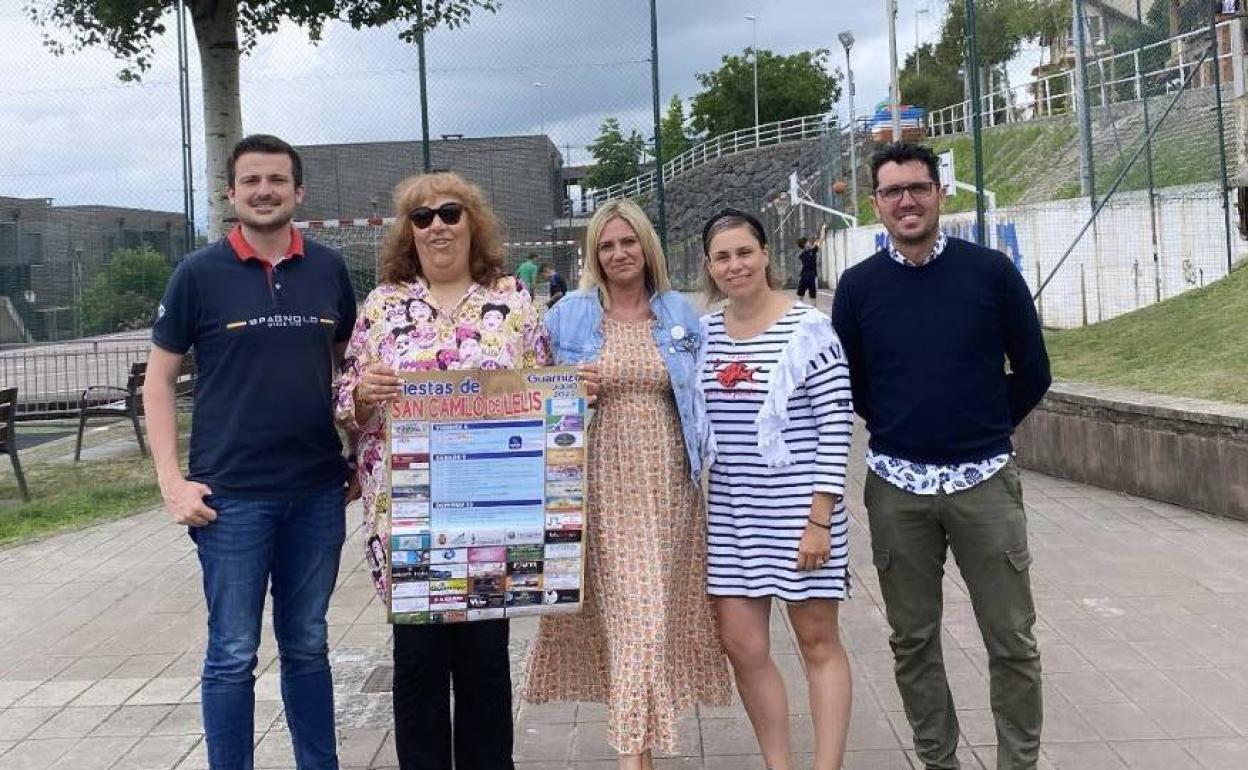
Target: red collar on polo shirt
(244, 251)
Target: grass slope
(1192, 345)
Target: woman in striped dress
(779, 407)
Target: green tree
(672, 130)
(223, 30)
(788, 87)
(125, 294)
(616, 157)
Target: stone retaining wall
(1184, 451)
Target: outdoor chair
(112, 401)
(8, 413)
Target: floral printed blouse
(402, 326)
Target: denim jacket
(575, 326)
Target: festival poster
(486, 470)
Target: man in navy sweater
(928, 325)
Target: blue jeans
(296, 544)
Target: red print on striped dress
(733, 374)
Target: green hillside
(1039, 160)
(1193, 345)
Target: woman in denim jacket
(645, 642)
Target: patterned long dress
(645, 642)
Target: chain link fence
(1107, 178)
(91, 195)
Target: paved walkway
(1143, 615)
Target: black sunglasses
(449, 213)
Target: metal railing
(1052, 94)
(50, 378)
(765, 135)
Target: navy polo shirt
(262, 336)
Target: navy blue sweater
(927, 348)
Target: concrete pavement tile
(1153, 755)
(1082, 756)
(184, 719)
(1063, 724)
(591, 712)
(275, 751)
(94, 754)
(109, 692)
(40, 668)
(986, 756)
(1120, 721)
(188, 664)
(196, 759)
(876, 760)
(269, 686)
(1217, 753)
(1086, 687)
(1182, 718)
(53, 693)
(142, 666)
(164, 689)
(133, 720)
(387, 755)
(37, 755)
(13, 691)
(1107, 656)
(159, 752)
(92, 667)
(73, 722)
(977, 725)
(548, 713)
(1145, 685)
(1233, 712)
(1172, 654)
(17, 723)
(547, 743)
(1063, 658)
(875, 732)
(357, 747)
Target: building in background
(49, 254)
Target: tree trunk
(216, 34)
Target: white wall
(1111, 271)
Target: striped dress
(757, 511)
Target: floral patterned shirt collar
(937, 248)
(419, 288)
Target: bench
(8, 438)
(128, 401)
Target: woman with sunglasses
(443, 259)
(780, 411)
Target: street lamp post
(918, 60)
(894, 89)
(541, 108)
(847, 40)
(753, 20)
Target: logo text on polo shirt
(277, 320)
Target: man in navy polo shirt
(928, 325)
(267, 314)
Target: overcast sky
(73, 132)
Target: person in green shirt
(527, 273)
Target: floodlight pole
(424, 89)
(977, 126)
(658, 142)
(184, 104)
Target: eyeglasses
(449, 213)
(919, 191)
